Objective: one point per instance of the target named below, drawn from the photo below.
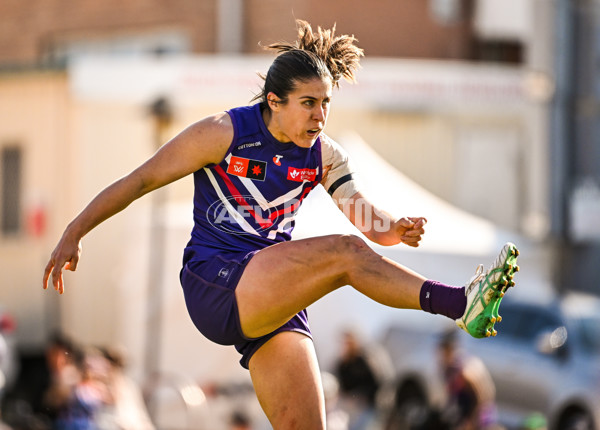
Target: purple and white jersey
(249, 200)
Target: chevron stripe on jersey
(249, 200)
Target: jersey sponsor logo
(249, 145)
(247, 168)
(301, 175)
(277, 159)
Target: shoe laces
(479, 274)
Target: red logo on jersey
(300, 175)
(247, 168)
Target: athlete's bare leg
(285, 278)
(287, 381)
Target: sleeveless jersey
(249, 200)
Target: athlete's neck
(267, 117)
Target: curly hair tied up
(317, 54)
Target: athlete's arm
(340, 182)
(379, 226)
(202, 143)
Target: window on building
(499, 51)
(62, 50)
(446, 12)
(11, 190)
(503, 29)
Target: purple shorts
(209, 290)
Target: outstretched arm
(379, 226)
(375, 224)
(202, 143)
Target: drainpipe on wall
(562, 134)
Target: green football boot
(485, 291)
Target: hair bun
(339, 53)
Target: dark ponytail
(318, 54)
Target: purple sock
(438, 298)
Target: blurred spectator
(62, 356)
(470, 389)
(240, 421)
(89, 396)
(128, 411)
(359, 372)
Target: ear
(273, 101)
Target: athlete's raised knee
(350, 243)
